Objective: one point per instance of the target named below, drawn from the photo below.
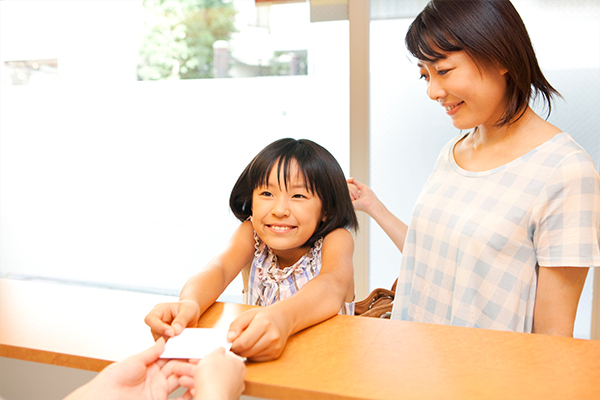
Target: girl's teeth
(281, 228)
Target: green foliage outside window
(179, 35)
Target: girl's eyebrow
(299, 186)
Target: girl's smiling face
(472, 96)
(285, 217)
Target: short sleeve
(566, 219)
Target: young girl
(292, 247)
(508, 224)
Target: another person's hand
(363, 198)
(141, 376)
(259, 334)
(170, 319)
(219, 375)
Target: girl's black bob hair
(320, 171)
(491, 32)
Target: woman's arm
(204, 288)
(261, 333)
(556, 300)
(364, 199)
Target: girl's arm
(556, 300)
(261, 334)
(364, 199)
(204, 288)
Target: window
(114, 175)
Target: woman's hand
(363, 198)
(170, 319)
(259, 334)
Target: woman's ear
(502, 69)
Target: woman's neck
(489, 147)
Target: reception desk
(344, 357)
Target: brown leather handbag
(378, 303)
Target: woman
(508, 224)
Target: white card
(196, 343)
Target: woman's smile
(452, 109)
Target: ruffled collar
(267, 266)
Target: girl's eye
(423, 76)
(265, 193)
(299, 196)
(442, 72)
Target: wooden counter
(344, 357)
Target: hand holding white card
(196, 343)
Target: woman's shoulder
(562, 149)
(561, 162)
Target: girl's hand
(169, 319)
(259, 334)
(363, 198)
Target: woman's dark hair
(491, 32)
(322, 176)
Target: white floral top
(268, 284)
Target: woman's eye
(423, 76)
(442, 72)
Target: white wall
(129, 184)
(26, 380)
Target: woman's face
(472, 96)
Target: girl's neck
(287, 258)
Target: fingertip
(177, 329)
(231, 336)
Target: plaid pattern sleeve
(476, 239)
